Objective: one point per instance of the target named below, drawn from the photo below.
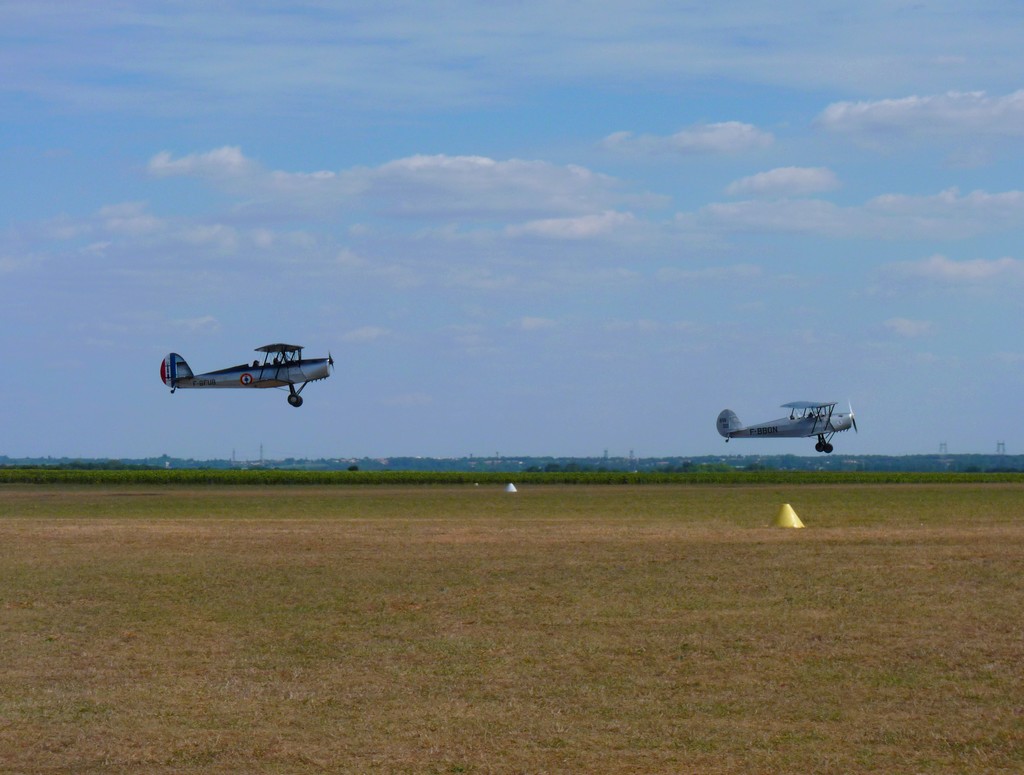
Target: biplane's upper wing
(809, 405)
(278, 348)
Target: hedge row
(48, 476)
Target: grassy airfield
(463, 629)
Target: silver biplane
(282, 366)
(806, 418)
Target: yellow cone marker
(787, 517)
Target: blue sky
(537, 228)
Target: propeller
(330, 360)
(853, 418)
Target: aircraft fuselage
(799, 427)
(266, 375)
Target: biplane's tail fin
(728, 423)
(174, 368)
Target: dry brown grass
(561, 629)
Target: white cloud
(10, 264)
(725, 137)
(946, 215)
(582, 227)
(954, 113)
(910, 329)
(1006, 205)
(220, 163)
(366, 334)
(204, 324)
(648, 326)
(534, 323)
(472, 339)
(419, 186)
(278, 192)
(710, 274)
(214, 235)
(97, 248)
(476, 185)
(408, 400)
(350, 259)
(130, 219)
(808, 216)
(941, 269)
(63, 227)
(642, 326)
(785, 181)
(1014, 359)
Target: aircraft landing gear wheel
(819, 447)
(828, 448)
(295, 400)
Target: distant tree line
(993, 463)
